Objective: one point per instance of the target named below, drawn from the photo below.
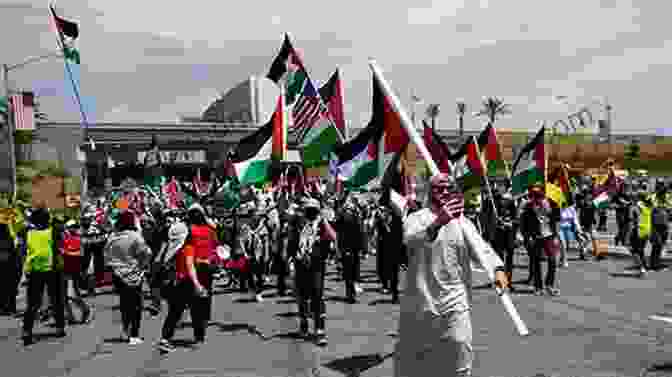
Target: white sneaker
(358, 289)
(565, 264)
(259, 298)
(135, 341)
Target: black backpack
(659, 216)
(164, 271)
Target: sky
(151, 61)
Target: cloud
(154, 60)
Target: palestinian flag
(279, 121)
(490, 148)
(67, 33)
(469, 167)
(602, 200)
(252, 158)
(318, 143)
(437, 148)
(356, 162)
(332, 95)
(4, 106)
(530, 166)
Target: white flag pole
(471, 237)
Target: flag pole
(485, 175)
(474, 239)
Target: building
(204, 142)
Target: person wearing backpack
(128, 255)
(659, 224)
(182, 287)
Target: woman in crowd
(72, 264)
(188, 290)
(128, 255)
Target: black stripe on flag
(250, 145)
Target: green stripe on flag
(319, 143)
(363, 174)
(255, 172)
(521, 182)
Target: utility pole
(10, 132)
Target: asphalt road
(599, 326)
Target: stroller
(229, 268)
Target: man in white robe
(435, 331)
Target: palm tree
(433, 113)
(493, 108)
(461, 110)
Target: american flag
(23, 108)
(305, 114)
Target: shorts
(567, 233)
(551, 247)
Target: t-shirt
(182, 272)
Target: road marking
(661, 318)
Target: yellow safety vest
(39, 256)
(644, 220)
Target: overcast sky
(155, 60)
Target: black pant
(603, 220)
(35, 290)
(659, 236)
(204, 274)
(93, 251)
(622, 226)
(10, 277)
(309, 287)
(180, 297)
(505, 246)
(637, 247)
(130, 303)
(389, 268)
(536, 255)
(253, 278)
(281, 270)
(351, 263)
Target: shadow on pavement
(632, 275)
(287, 315)
(337, 299)
(382, 301)
(354, 366)
(233, 327)
(117, 340)
(245, 300)
(294, 335)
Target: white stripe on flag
(23, 115)
(306, 113)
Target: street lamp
(10, 121)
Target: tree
(493, 108)
(433, 113)
(461, 110)
(632, 156)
